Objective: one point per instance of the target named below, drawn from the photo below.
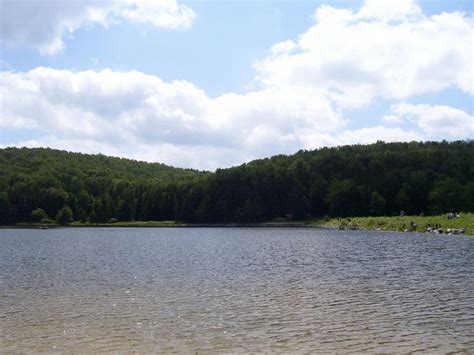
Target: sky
(212, 84)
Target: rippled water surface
(211, 290)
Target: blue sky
(216, 54)
(235, 109)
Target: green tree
(249, 212)
(377, 204)
(317, 197)
(446, 196)
(5, 208)
(38, 215)
(414, 177)
(128, 207)
(468, 197)
(403, 201)
(52, 199)
(343, 198)
(64, 215)
(82, 216)
(297, 203)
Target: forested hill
(358, 180)
(95, 187)
(53, 162)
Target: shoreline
(381, 224)
(166, 225)
(403, 223)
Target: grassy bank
(466, 222)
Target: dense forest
(379, 179)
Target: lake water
(214, 290)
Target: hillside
(359, 180)
(49, 179)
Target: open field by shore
(397, 223)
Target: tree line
(48, 185)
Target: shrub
(64, 215)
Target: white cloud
(44, 24)
(140, 113)
(392, 119)
(389, 10)
(373, 134)
(437, 122)
(366, 135)
(162, 13)
(387, 49)
(345, 59)
(285, 47)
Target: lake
(234, 289)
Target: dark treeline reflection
(379, 179)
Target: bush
(64, 215)
(38, 214)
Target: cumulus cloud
(346, 59)
(43, 24)
(392, 119)
(373, 134)
(389, 10)
(387, 49)
(437, 122)
(365, 135)
(140, 112)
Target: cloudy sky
(208, 84)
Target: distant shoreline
(167, 225)
(391, 223)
